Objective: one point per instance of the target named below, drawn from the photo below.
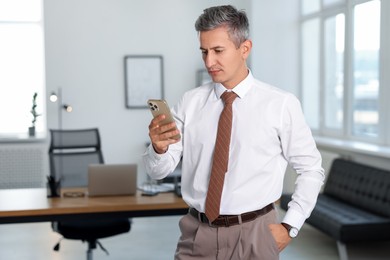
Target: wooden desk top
(32, 205)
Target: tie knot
(228, 97)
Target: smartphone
(160, 106)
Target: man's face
(225, 63)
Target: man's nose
(209, 60)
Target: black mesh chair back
(75, 139)
(70, 153)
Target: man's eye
(218, 51)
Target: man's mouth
(214, 71)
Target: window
(366, 69)
(21, 65)
(340, 71)
(334, 72)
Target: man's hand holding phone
(162, 129)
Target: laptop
(112, 179)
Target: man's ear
(246, 48)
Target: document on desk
(153, 187)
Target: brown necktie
(221, 157)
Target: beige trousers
(249, 241)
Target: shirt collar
(241, 89)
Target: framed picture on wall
(143, 79)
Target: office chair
(70, 153)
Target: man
(268, 132)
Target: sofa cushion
(347, 223)
(360, 185)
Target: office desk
(32, 205)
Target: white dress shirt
(269, 131)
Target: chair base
(91, 246)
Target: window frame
(346, 133)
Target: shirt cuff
(152, 153)
(294, 218)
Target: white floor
(155, 239)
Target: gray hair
(226, 15)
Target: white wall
(275, 32)
(86, 42)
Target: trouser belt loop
(239, 219)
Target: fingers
(156, 122)
(162, 132)
(162, 141)
(161, 136)
(280, 235)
